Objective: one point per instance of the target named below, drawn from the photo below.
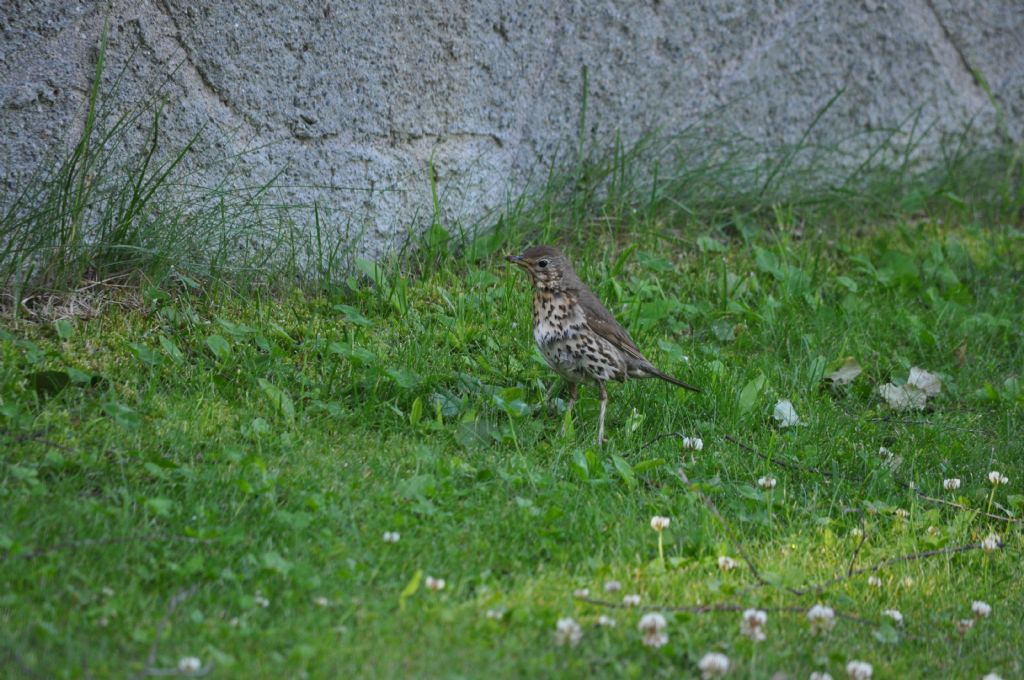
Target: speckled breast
(573, 350)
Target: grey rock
(348, 103)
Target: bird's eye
(542, 264)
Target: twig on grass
(960, 506)
(910, 557)
(89, 543)
(856, 552)
(150, 668)
(781, 462)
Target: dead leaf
(961, 354)
(903, 397)
(928, 383)
(785, 414)
(846, 373)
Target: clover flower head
(822, 618)
(980, 609)
(726, 563)
(996, 478)
(653, 627)
(659, 523)
(951, 484)
(631, 600)
(693, 443)
(991, 543)
(568, 632)
(895, 615)
(859, 670)
(612, 586)
(713, 665)
(767, 482)
(189, 665)
(752, 624)
(435, 584)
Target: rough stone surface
(350, 101)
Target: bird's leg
(600, 420)
(573, 394)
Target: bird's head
(545, 265)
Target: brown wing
(604, 324)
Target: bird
(579, 338)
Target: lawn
(276, 482)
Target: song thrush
(578, 337)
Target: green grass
(202, 451)
(230, 448)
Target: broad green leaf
(353, 315)
(64, 329)
(220, 347)
(171, 349)
(625, 470)
(403, 377)
(410, 589)
(750, 394)
(279, 398)
(144, 354)
(416, 413)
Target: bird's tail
(655, 373)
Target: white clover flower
(612, 586)
(726, 563)
(874, 582)
(752, 624)
(581, 592)
(435, 584)
(107, 591)
(907, 582)
(951, 484)
(767, 482)
(980, 609)
(693, 443)
(822, 618)
(631, 600)
(568, 632)
(820, 675)
(606, 621)
(991, 676)
(713, 665)
(321, 601)
(933, 531)
(859, 670)
(261, 601)
(496, 614)
(964, 625)
(392, 537)
(902, 513)
(991, 543)
(856, 532)
(659, 523)
(996, 478)
(653, 627)
(189, 664)
(895, 615)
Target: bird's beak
(515, 259)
